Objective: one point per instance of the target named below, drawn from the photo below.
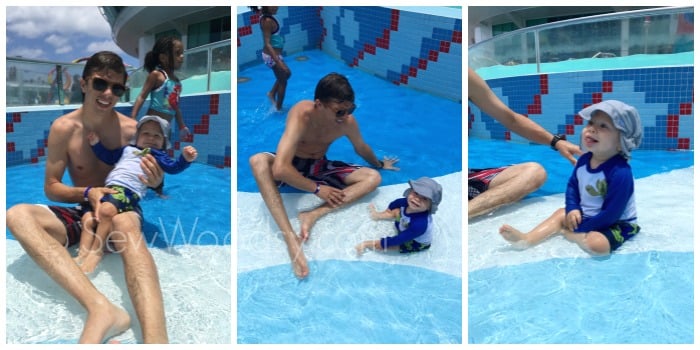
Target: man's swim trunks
(328, 172)
(70, 217)
(479, 180)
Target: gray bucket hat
(428, 188)
(164, 125)
(624, 117)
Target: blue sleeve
(620, 188)
(572, 196)
(108, 156)
(398, 203)
(168, 164)
(417, 227)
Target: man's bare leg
(360, 182)
(141, 276)
(511, 185)
(43, 237)
(261, 164)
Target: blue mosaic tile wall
(207, 116)
(663, 96)
(417, 50)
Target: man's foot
(103, 323)
(296, 254)
(307, 219)
(512, 235)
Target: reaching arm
(482, 96)
(151, 83)
(364, 150)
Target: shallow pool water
(189, 236)
(375, 298)
(554, 293)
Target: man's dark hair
(103, 61)
(334, 87)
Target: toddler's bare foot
(90, 262)
(510, 234)
(360, 249)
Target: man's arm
(359, 145)
(482, 96)
(56, 163)
(282, 168)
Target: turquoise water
(585, 64)
(556, 294)
(378, 298)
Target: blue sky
(60, 33)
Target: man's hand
(333, 196)
(153, 171)
(389, 163)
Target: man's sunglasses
(341, 113)
(100, 85)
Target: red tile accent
(404, 79)
(16, 117)
(9, 127)
(176, 145)
(245, 30)
(607, 86)
(394, 20)
(255, 18)
(597, 97)
(578, 120)
(227, 161)
(507, 135)
(433, 55)
(569, 129)
(684, 143)
(10, 147)
(201, 129)
(672, 125)
(370, 49)
(214, 104)
(544, 84)
(412, 71)
(422, 64)
(457, 37)
(686, 108)
(40, 152)
(445, 46)
(34, 160)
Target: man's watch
(555, 139)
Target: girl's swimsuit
(166, 98)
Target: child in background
(412, 217)
(273, 43)
(126, 183)
(163, 86)
(600, 211)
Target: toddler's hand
(373, 212)
(93, 139)
(190, 153)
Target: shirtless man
(300, 162)
(490, 189)
(45, 232)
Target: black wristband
(555, 139)
(381, 164)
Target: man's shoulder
(70, 120)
